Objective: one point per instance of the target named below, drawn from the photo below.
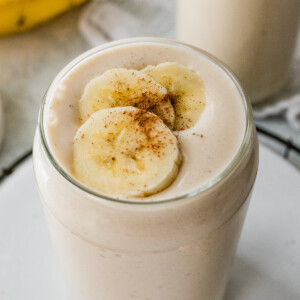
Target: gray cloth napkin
(287, 102)
(108, 20)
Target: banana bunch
(20, 15)
(125, 145)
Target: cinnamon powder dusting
(152, 138)
(146, 96)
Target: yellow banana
(19, 15)
(185, 88)
(123, 87)
(126, 151)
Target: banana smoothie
(145, 158)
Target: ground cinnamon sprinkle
(200, 135)
(148, 97)
(153, 139)
(153, 103)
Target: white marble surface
(29, 62)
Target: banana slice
(122, 87)
(125, 150)
(185, 89)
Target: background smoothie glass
(179, 247)
(256, 38)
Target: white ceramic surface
(267, 264)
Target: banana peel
(20, 15)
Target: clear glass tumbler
(179, 248)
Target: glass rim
(220, 177)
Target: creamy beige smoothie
(178, 241)
(256, 38)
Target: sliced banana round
(125, 151)
(122, 87)
(185, 88)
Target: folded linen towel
(107, 20)
(288, 107)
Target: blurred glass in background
(256, 38)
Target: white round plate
(267, 264)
